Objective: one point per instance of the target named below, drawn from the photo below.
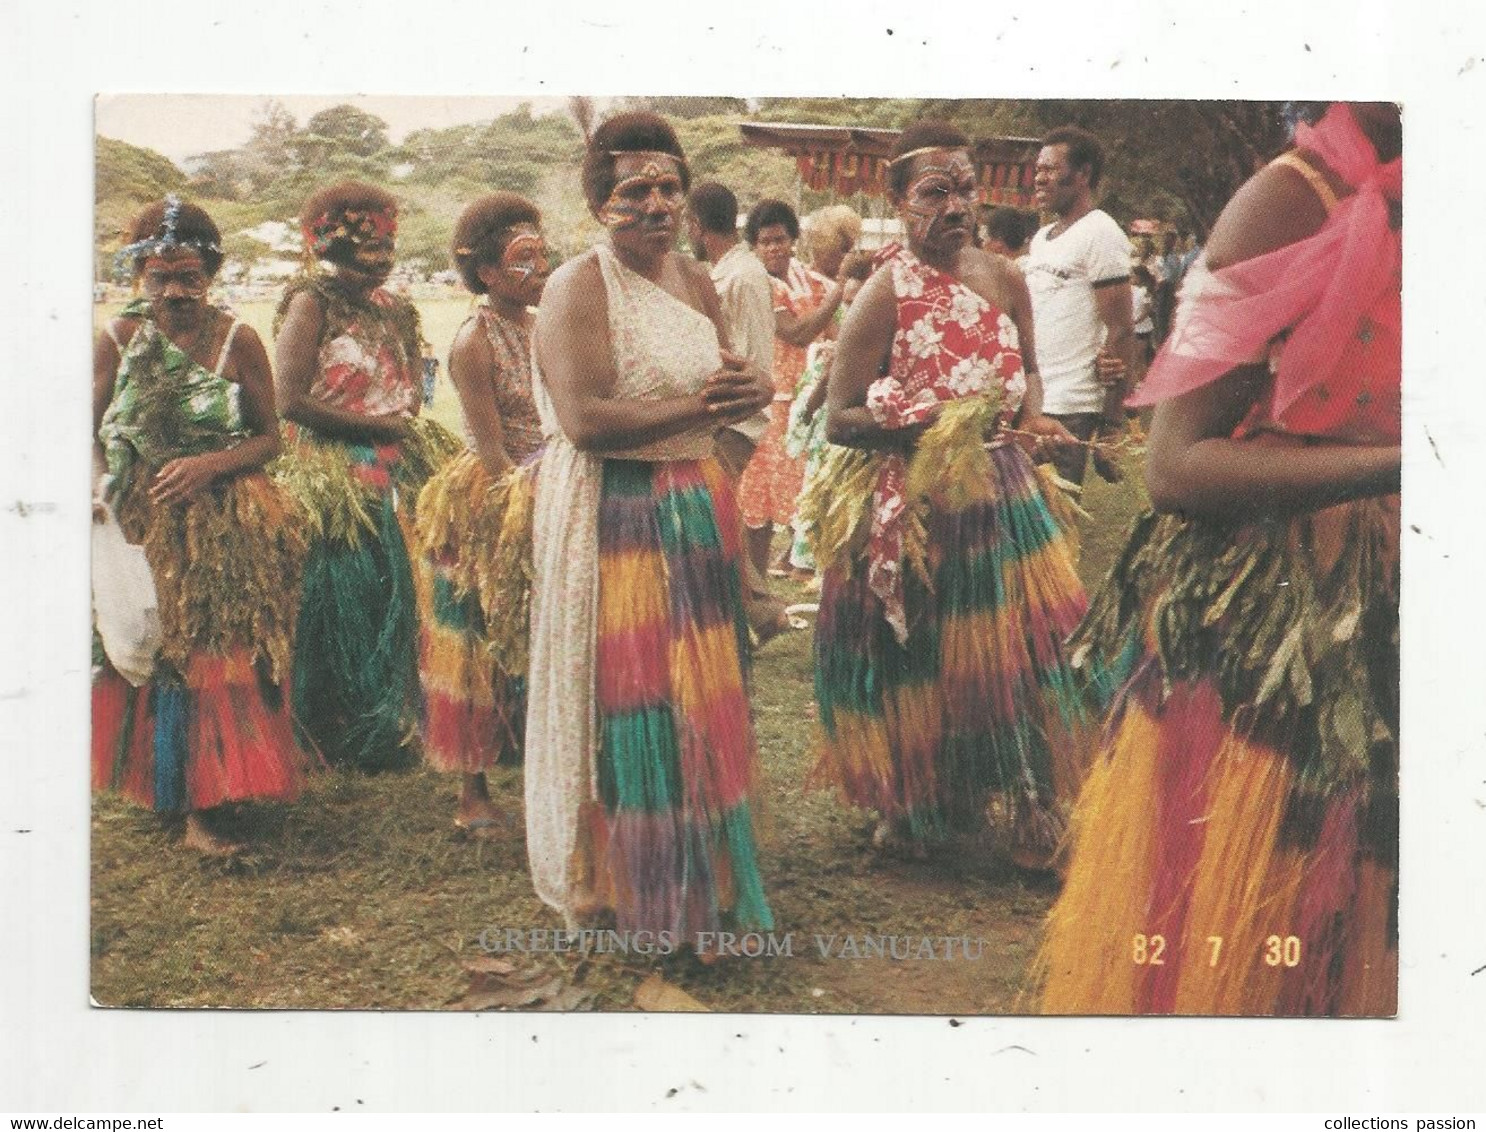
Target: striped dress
(640, 747)
(939, 678)
(474, 711)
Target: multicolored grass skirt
(671, 843)
(356, 689)
(218, 733)
(1234, 850)
(474, 712)
(978, 701)
(213, 725)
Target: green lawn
(361, 894)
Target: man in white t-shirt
(1078, 270)
(748, 313)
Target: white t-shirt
(1140, 309)
(1061, 274)
(748, 310)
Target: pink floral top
(521, 428)
(950, 344)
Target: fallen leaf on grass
(569, 998)
(656, 995)
(498, 984)
(507, 996)
(489, 965)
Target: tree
(683, 106)
(133, 173)
(349, 129)
(271, 152)
(1179, 161)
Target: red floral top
(366, 367)
(950, 343)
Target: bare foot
(890, 838)
(1107, 469)
(763, 634)
(200, 838)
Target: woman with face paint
(639, 744)
(349, 379)
(184, 419)
(1235, 849)
(474, 708)
(948, 584)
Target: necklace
(208, 324)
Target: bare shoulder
(245, 341)
(121, 330)
(875, 307)
(1274, 208)
(695, 269)
(305, 310)
(470, 347)
(577, 280)
(468, 334)
(992, 276)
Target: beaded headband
(166, 240)
(655, 161)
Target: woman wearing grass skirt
(349, 378)
(1235, 848)
(639, 744)
(474, 701)
(184, 416)
(948, 584)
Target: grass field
(362, 895)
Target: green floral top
(165, 405)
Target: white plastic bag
(125, 608)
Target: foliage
(129, 171)
(347, 129)
(1175, 161)
(688, 106)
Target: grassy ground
(362, 895)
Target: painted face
(775, 249)
(178, 280)
(373, 259)
(1054, 181)
(523, 269)
(938, 206)
(647, 199)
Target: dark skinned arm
(297, 353)
(1116, 358)
(577, 362)
(1194, 467)
(862, 351)
(801, 330)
